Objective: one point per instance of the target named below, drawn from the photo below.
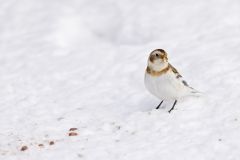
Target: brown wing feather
(179, 76)
(175, 71)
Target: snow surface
(81, 64)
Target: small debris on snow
(80, 155)
(40, 145)
(51, 143)
(24, 148)
(72, 134)
(118, 127)
(73, 129)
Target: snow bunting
(163, 80)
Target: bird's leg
(173, 106)
(159, 105)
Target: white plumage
(167, 86)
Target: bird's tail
(195, 93)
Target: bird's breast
(164, 87)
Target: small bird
(163, 80)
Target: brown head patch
(152, 58)
(158, 54)
(160, 50)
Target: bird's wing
(175, 71)
(179, 76)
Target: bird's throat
(153, 72)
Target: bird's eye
(157, 55)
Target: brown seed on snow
(72, 134)
(24, 148)
(73, 129)
(51, 143)
(40, 145)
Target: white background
(77, 63)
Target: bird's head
(158, 59)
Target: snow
(81, 64)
